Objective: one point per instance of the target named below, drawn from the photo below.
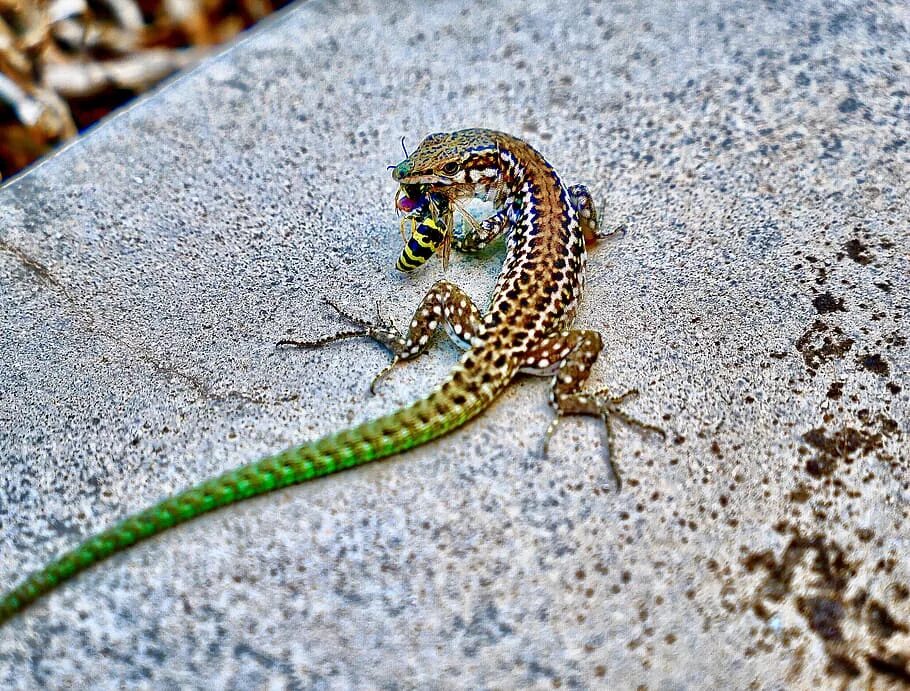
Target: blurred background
(64, 64)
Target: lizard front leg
(476, 235)
(583, 202)
(569, 356)
(445, 304)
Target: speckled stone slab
(758, 156)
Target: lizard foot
(606, 407)
(382, 331)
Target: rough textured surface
(759, 300)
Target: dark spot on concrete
(835, 390)
(826, 303)
(881, 623)
(896, 666)
(874, 363)
(849, 105)
(238, 84)
(485, 628)
(858, 252)
(865, 534)
(843, 446)
(828, 562)
(816, 574)
(840, 22)
(832, 146)
(800, 495)
(823, 615)
(842, 665)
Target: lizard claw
(319, 342)
(551, 429)
(609, 406)
(617, 233)
(385, 370)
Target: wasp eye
(450, 168)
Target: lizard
(527, 328)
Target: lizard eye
(450, 168)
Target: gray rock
(758, 156)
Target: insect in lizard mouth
(429, 215)
(429, 211)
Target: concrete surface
(759, 156)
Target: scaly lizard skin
(526, 329)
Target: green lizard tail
(464, 394)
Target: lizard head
(458, 164)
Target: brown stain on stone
(821, 343)
(895, 666)
(832, 449)
(845, 445)
(815, 574)
(881, 622)
(824, 616)
(858, 251)
(835, 390)
(826, 303)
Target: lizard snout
(402, 170)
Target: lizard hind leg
(569, 356)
